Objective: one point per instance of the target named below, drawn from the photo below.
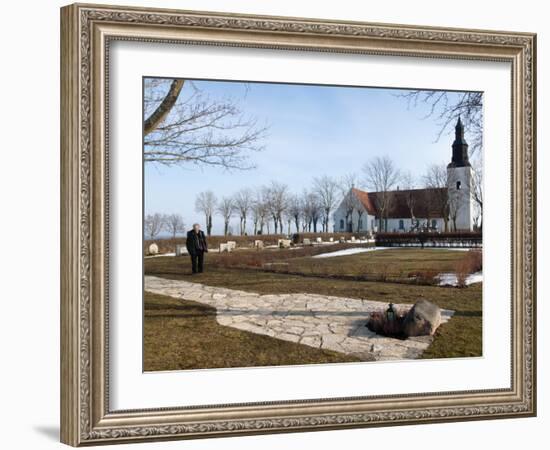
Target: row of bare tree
(155, 223)
(273, 206)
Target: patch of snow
(351, 251)
(161, 254)
(450, 279)
(355, 250)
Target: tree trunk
(209, 225)
(155, 119)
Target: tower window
(341, 224)
(458, 185)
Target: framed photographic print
(277, 224)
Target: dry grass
(407, 265)
(181, 334)
(461, 336)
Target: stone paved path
(321, 321)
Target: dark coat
(196, 240)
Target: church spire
(460, 147)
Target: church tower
(459, 184)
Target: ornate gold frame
(86, 31)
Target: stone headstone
(331, 239)
(307, 241)
(342, 240)
(422, 319)
(153, 249)
(319, 240)
(283, 243)
(232, 245)
(181, 250)
(353, 239)
(259, 244)
(225, 248)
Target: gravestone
(283, 243)
(153, 249)
(331, 239)
(307, 241)
(319, 240)
(225, 248)
(342, 240)
(232, 245)
(353, 239)
(181, 250)
(258, 244)
(422, 319)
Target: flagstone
(320, 321)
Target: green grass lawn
(181, 334)
(460, 337)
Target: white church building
(406, 210)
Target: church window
(401, 224)
(458, 185)
(341, 224)
(360, 225)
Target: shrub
(470, 263)
(379, 324)
(474, 260)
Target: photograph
(291, 224)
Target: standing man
(197, 247)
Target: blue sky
(313, 131)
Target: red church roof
(427, 202)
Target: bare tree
(347, 184)
(173, 223)
(446, 107)
(188, 127)
(226, 208)
(326, 189)
(408, 183)
(381, 176)
(163, 108)
(153, 224)
(477, 190)
(259, 213)
(314, 210)
(243, 201)
(436, 178)
(277, 195)
(205, 203)
(294, 210)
